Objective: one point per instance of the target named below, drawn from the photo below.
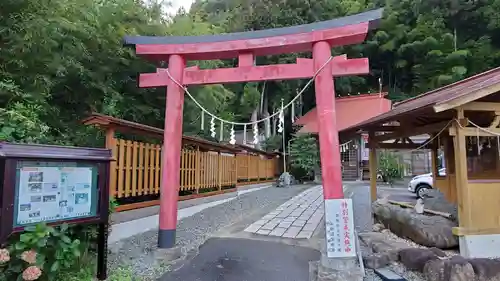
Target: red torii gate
(246, 46)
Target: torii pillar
(246, 46)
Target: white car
(422, 183)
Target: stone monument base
(337, 269)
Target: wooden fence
(138, 169)
(205, 166)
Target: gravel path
(139, 251)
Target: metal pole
(283, 135)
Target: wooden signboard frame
(12, 155)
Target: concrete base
(480, 246)
(337, 269)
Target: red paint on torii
(318, 37)
(291, 43)
(340, 66)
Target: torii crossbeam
(319, 37)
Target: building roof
(350, 110)
(438, 100)
(126, 126)
(371, 17)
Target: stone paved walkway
(296, 218)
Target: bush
(273, 143)
(304, 156)
(49, 253)
(389, 167)
(41, 253)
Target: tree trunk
(265, 114)
(275, 124)
(254, 118)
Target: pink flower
(4, 256)
(29, 256)
(32, 273)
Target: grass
(88, 274)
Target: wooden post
(235, 161)
(172, 145)
(219, 168)
(111, 144)
(259, 159)
(434, 160)
(460, 150)
(372, 161)
(248, 167)
(327, 123)
(197, 166)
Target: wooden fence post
(197, 167)
(219, 169)
(248, 166)
(128, 167)
(111, 144)
(235, 161)
(259, 165)
(121, 164)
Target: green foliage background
(304, 156)
(61, 60)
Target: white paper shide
(339, 221)
(53, 193)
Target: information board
(340, 235)
(54, 191)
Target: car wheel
(422, 189)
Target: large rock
(430, 231)
(460, 269)
(285, 180)
(486, 269)
(415, 259)
(382, 250)
(377, 260)
(381, 243)
(436, 201)
(454, 269)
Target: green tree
(61, 60)
(304, 156)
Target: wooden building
(463, 119)
(350, 110)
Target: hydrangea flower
(4, 256)
(32, 273)
(29, 256)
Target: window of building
(483, 157)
